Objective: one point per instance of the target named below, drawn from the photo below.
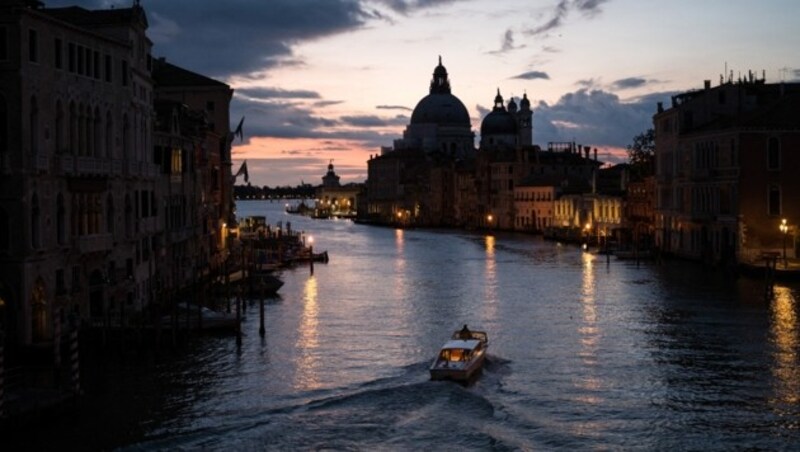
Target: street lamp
(784, 230)
(489, 219)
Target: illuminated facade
(725, 171)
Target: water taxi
(461, 357)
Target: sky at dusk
(337, 79)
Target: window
(774, 201)
(210, 105)
(34, 126)
(61, 220)
(773, 154)
(110, 214)
(71, 57)
(79, 50)
(33, 46)
(57, 54)
(108, 68)
(96, 73)
(177, 161)
(124, 73)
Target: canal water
(584, 353)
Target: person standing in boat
(465, 333)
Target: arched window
(61, 220)
(59, 142)
(34, 126)
(110, 214)
(98, 133)
(773, 154)
(73, 128)
(39, 322)
(35, 222)
(81, 130)
(109, 135)
(128, 216)
(126, 137)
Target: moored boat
(461, 357)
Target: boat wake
(403, 411)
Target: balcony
(95, 243)
(83, 165)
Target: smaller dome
(525, 104)
(512, 106)
(498, 122)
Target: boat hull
(439, 372)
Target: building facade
(115, 177)
(79, 182)
(724, 171)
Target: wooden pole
(2, 377)
(261, 329)
(74, 359)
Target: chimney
(661, 107)
(707, 84)
(595, 154)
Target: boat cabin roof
(468, 344)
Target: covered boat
(461, 357)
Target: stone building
(213, 209)
(335, 199)
(115, 172)
(725, 171)
(414, 182)
(77, 197)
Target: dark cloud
(392, 107)
(532, 75)
(239, 36)
(559, 13)
(630, 82)
(327, 103)
(588, 82)
(595, 117)
(277, 93)
(588, 8)
(281, 119)
(373, 121)
(409, 6)
(507, 44)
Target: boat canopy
(469, 344)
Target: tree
(641, 154)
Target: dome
(498, 122)
(440, 109)
(525, 104)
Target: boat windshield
(455, 354)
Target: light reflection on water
(307, 345)
(586, 353)
(784, 331)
